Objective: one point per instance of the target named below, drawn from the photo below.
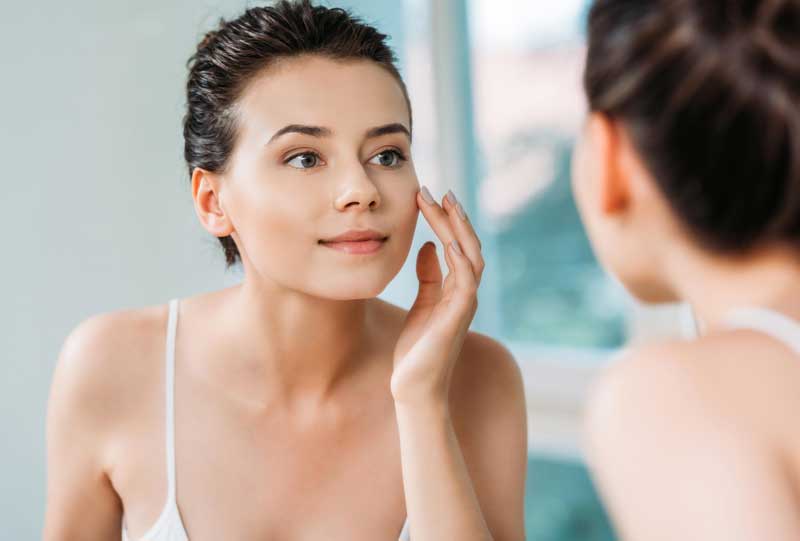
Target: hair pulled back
(710, 94)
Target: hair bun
(776, 33)
(710, 90)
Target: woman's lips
(356, 246)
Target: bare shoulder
(485, 371)
(487, 400)
(95, 394)
(640, 388)
(489, 414)
(736, 378)
(103, 362)
(667, 424)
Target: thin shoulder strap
(172, 325)
(770, 322)
(404, 533)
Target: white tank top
(169, 525)
(780, 327)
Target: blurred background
(98, 213)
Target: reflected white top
(770, 322)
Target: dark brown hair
(228, 58)
(709, 91)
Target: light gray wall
(96, 212)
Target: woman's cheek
(411, 213)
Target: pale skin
(306, 408)
(689, 439)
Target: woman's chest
(292, 494)
(271, 478)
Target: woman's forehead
(347, 97)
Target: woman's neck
(291, 348)
(714, 285)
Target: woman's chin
(353, 289)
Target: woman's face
(323, 148)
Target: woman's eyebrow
(394, 127)
(319, 131)
(314, 131)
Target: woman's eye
(388, 158)
(306, 160)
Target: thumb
(429, 274)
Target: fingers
(449, 222)
(466, 284)
(464, 233)
(437, 218)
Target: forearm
(440, 498)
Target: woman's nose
(358, 192)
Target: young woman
(688, 180)
(296, 405)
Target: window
(527, 61)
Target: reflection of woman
(688, 179)
(303, 406)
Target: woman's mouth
(356, 247)
(357, 242)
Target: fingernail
(426, 195)
(460, 211)
(451, 197)
(457, 247)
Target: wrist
(428, 404)
(420, 390)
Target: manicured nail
(457, 247)
(426, 195)
(460, 211)
(451, 197)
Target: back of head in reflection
(687, 177)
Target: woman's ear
(208, 203)
(611, 148)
